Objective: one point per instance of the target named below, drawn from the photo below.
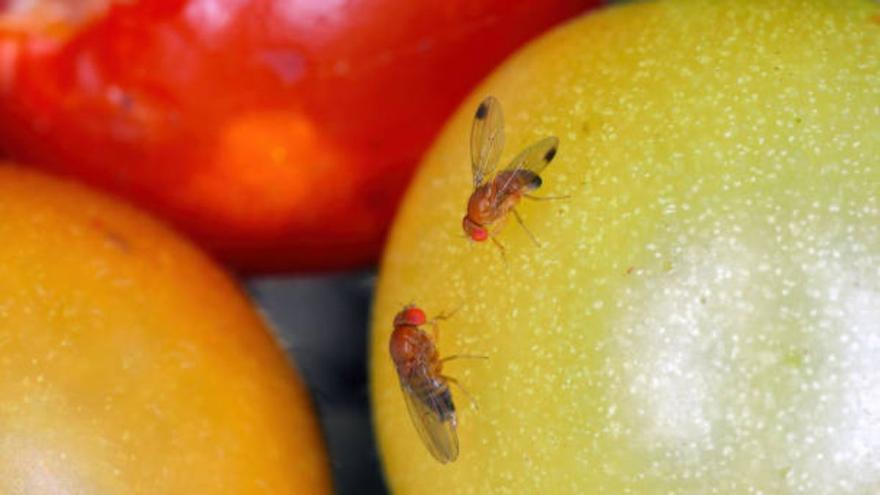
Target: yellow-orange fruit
(129, 363)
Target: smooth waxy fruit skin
(280, 134)
(704, 313)
(129, 363)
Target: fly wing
(533, 159)
(487, 139)
(536, 157)
(437, 434)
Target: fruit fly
(425, 388)
(495, 196)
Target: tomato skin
(129, 363)
(702, 315)
(279, 134)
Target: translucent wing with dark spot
(437, 432)
(533, 159)
(536, 157)
(487, 139)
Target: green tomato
(703, 313)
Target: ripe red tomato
(279, 133)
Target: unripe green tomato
(703, 313)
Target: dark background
(321, 322)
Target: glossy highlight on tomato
(278, 133)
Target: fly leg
(445, 316)
(465, 392)
(546, 198)
(500, 248)
(435, 328)
(463, 356)
(522, 224)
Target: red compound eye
(415, 316)
(474, 230)
(410, 316)
(479, 234)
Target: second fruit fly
(496, 195)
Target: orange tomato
(129, 363)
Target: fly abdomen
(442, 403)
(435, 395)
(535, 182)
(517, 181)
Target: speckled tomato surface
(129, 363)
(279, 133)
(703, 315)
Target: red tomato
(279, 133)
